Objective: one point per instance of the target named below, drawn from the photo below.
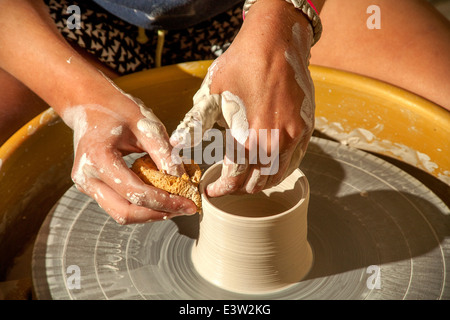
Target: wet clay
(254, 243)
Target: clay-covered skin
(271, 51)
(100, 171)
(104, 119)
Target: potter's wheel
(376, 233)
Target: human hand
(103, 134)
(262, 81)
(107, 123)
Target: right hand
(102, 136)
(261, 83)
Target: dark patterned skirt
(126, 48)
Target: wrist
(81, 84)
(291, 10)
(271, 24)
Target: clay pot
(254, 243)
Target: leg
(410, 50)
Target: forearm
(34, 52)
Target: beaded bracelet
(304, 6)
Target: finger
(232, 178)
(155, 140)
(255, 182)
(206, 111)
(235, 116)
(166, 158)
(289, 161)
(115, 173)
(121, 210)
(161, 200)
(284, 160)
(296, 159)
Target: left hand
(262, 81)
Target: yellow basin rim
(378, 117)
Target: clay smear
(367, 140)
(225, 109)
(302, 75)
(76, 118)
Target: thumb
(202, 117)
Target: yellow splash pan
(36, 161)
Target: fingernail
(185, 211)
(121, 220)
(209, 189)
(190, 211)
